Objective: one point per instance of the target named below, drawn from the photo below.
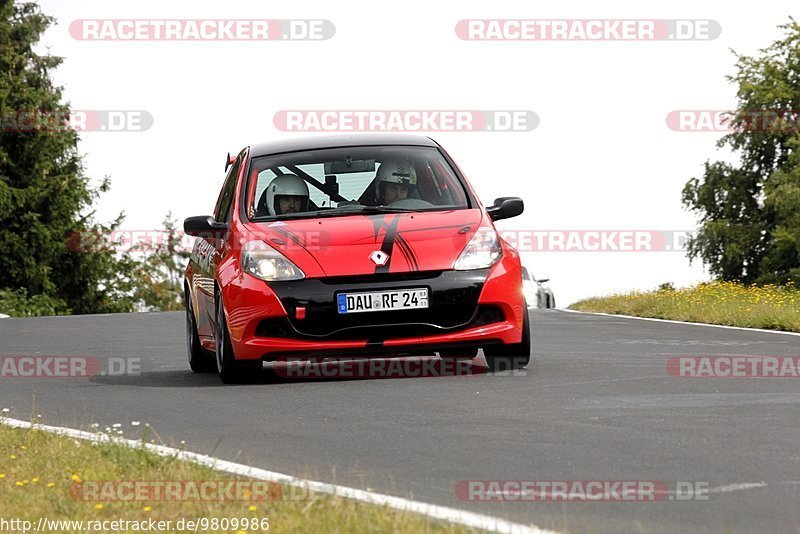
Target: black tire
(541, 299)
(551, 300)
(230, 370)
(512, 356)
(200, 360)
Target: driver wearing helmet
(287, 193)
(394, 180)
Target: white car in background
(536, 294)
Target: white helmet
(396, 172)
(286, 185)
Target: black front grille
(453, 303)
(281, 327)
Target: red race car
(351, 246)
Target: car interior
(350, 181)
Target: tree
(750, 213)
(158, 275)
(45, 197)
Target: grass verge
(725, 303)
(43, 475)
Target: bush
(19, 304)
(727, 303)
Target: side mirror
(229, 160)
(204, 226)
(543, 280)
(505, 208)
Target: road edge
(746, 329)
(443, 513)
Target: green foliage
(727, 303)
(45, 197)
(750, 213)
(18, 304)
(158, 275)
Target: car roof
(341, 140)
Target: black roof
(340, 140)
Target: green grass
(38, 470)
(724, 303)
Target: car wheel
(511, 356)
(200, 361)
(230, 370)
(551, 301)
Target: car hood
(372, 243)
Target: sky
(601, 157)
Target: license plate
(401, 299)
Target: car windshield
(346, 181)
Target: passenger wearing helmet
(394, 181)
(287, 193)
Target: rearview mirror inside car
(505, 208)
(331, 185)
(349, 165)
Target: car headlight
(482, 251)
(266, 263)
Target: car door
(207, 253)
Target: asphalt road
(596, 404)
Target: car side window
(223, 209)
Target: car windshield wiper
(379, 209)
(350, 209)
(303, 215)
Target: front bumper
(467, 309)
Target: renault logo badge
(379, 257)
